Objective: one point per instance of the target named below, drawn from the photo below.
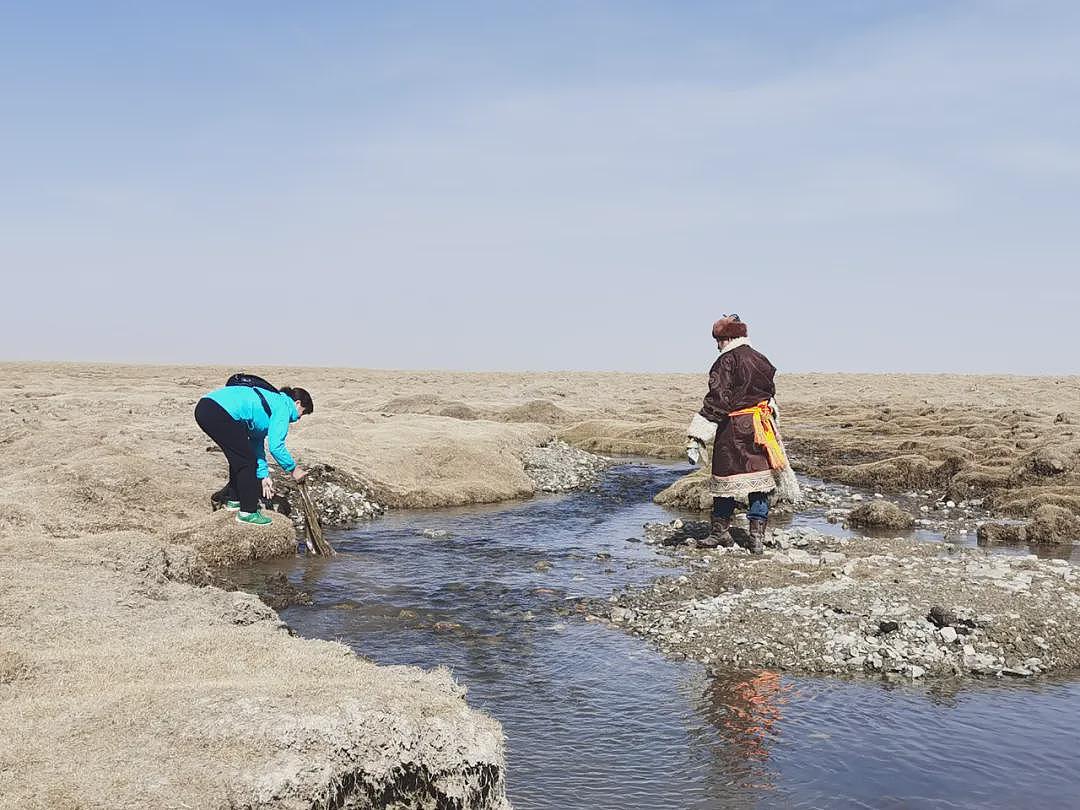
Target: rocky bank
(815, 603)
(558, 467)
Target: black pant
(232, 437)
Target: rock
(948, 634)
(796, 556)
(622, 615)
(543, 566)
(1017, 672)
(435, 534)
(880, 514)
(675, 533)
(997, 532)
(689, 493)
(981, 664)
(941, 616)
(1053, 524)
(888, 626)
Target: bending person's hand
(267, 488)
(299, 474)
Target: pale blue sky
(549, 185)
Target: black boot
(719, 534)
(757, 535)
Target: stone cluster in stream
(340, 499)
(558, 467)
(817, 603)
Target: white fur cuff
(701, 429)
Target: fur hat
(728, 327)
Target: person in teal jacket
(241, 420)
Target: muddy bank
(182, 696)
(822, 604)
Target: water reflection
(746, 708)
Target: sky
(872, 186)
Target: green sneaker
(232, 506)
(252, 518)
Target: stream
(597, 719)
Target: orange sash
(765, 433)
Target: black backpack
(256, 382)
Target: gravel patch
(821, 604)
(559, 467)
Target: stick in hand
(311, 519)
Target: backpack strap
(265, 404)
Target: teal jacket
(243, 404)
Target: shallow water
(597, 719)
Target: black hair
(300, 395)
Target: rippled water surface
(597, 719)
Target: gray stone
(436, 534)
(622, 615)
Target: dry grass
(123, 690)
(122, 686)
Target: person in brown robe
(749, 464)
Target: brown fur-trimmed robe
(740, 378)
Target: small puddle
(597, 719)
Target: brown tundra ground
(123, 685)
